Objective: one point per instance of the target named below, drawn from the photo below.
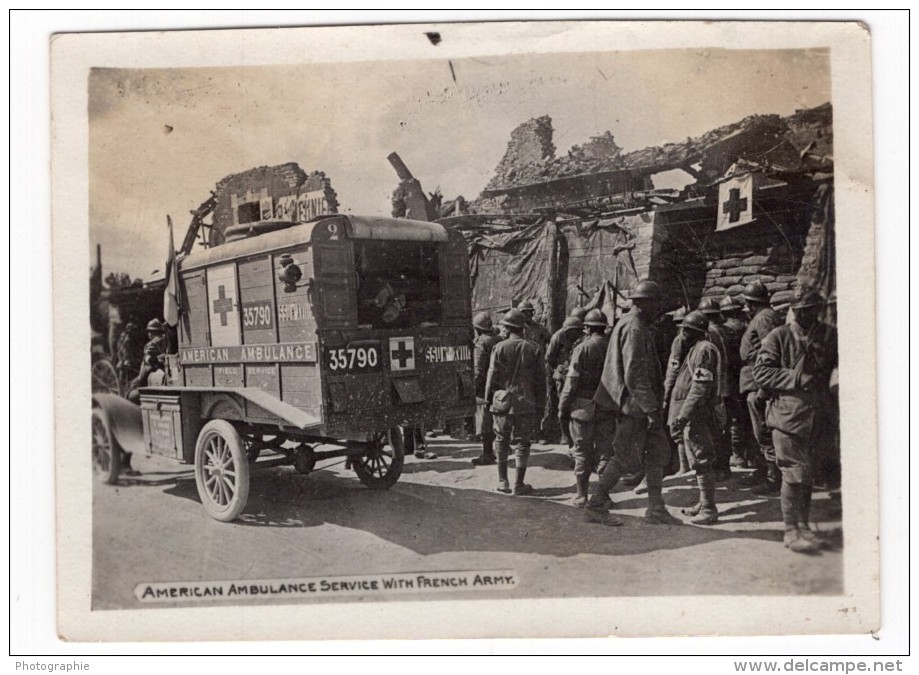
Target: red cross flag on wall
(735, 202)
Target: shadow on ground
(431, 519)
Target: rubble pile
(528, 155)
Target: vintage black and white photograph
(548, 316)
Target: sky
(160, 140)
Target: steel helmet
(804, 299)
(595, 318)
(155, 326)
(526, 306)
(695, 320)
(646, 289)
(709, 306)
(513, 318)
(729, 304)
(571, 322)
(678, 314)
(757, 292)
(579, 312)
(482, 321)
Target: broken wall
(284, 191)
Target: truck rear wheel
(221, 470)
(380, 467)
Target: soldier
(558, 356)
(692, 412)
(533, 330)
(678, 351)
(540, 336)
(631, 383)
(592, 425)
(485, 341)
(717, 335)
(515, 388)
(153, 351)
(735, 403)
(763, 319)
(794, 365)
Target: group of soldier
(625, 417)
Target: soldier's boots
(521, 489)
(707, 513)
(485, 459)
(503, 484)
(792, 514)
(580, 499)
(596, 513)
(795, 541)
(657, 513)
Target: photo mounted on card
(389, 335)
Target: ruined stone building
(580, 228)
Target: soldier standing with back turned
(763, 319)
(632, 383)
(485, 341)
(794, 366)
(592, 425)
(516, 390)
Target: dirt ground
(444, 514)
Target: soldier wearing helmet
(516, 390)
(763, 319)
(592, 426)
(717, 335)
(533, 330)
(794, 364)
(485, 341)
(692, 414)
(558, 355)
(632, 384)
(154, 356)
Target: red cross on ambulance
(402, 353)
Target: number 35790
(353, 359)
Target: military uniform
(592, 426)
(481, 357)
(537, 333)
(516, 367)
(759, 327)
(794, 366)
(694, 397)
(696, 394)
(632, 384)
(558, 357)
(795, 409)
(155, 348)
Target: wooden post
(552, 290)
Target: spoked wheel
(105, 378)
(380, 467)
(106, 453)
(221, 470)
